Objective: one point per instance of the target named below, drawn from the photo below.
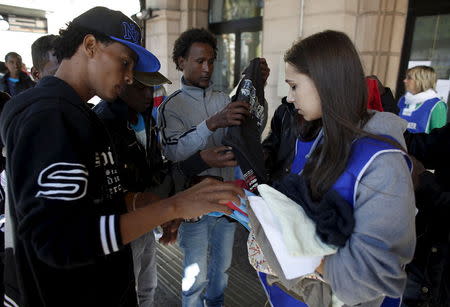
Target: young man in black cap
(69, 219)
(133, 131)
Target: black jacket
(431, 263)
(246, 138)
(388, 102)
(142, 168)
(65, 198)
(433, 150)
(279, 145)
(24, 83)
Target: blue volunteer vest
(418, 119)
(363, 152)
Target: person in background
(15, 80)
(387, 98)
(429, 273)
(373, 95)
(43, 55)
(420, 106)
(279, 144)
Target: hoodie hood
(386, 123)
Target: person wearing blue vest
(359, 154)
(421, 106)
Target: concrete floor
(244, 289)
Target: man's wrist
(173, 207)
(210, 124)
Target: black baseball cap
(151, 78)
(122, 29)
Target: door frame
(237, 27)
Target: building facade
(390, 35)
(267, 28)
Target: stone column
(281, 26)
(379, 37)
(174, 17)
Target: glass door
(431, 47)
(237, 25)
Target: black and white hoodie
(63, 243)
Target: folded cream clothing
(298, 230)
(292, 266)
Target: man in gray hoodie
(193, 118)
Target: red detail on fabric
(235, 208)
(240, 183)
(157, 100)
(374, 98)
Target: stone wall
(174, 17)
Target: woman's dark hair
(331, 61)
(187, 38)
(71, 38)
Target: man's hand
(207, 196)
(265, 70)
(218, 157)
(170, 231)
(232, 115)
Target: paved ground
(243, 290)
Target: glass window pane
(225, 10)
(423, 38)
(223, 75)
(440, 58)
(250, 47)
(431, 47)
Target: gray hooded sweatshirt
(371, 264)
(182, 124)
